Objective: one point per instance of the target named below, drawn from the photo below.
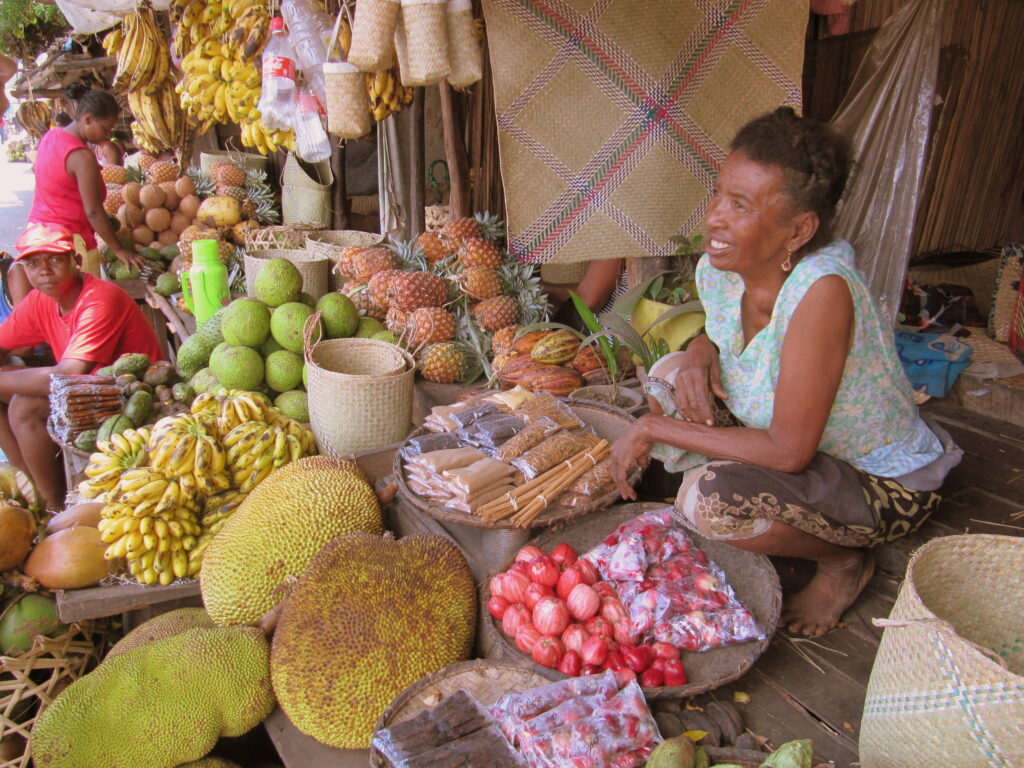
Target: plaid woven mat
(613, 115)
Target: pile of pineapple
(445, 294)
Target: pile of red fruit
(558, 610)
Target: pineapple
(236, 192)
(113, 174)
(477, 252)
(114, 199)
(435, 247)
(205, 186)
(480, 283)
(461, 229)
(522, 281)
(367, 262)
(261, 201)
(396, 319)
(444, 362)
(381, 288)
(228, 174)
(412, 290)
(497, 313)
(491, 227)
(429, 325)
(146, 159)
(503, 339)
(363, 299)
(161, 171)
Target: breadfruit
(278, 282)
(163, 704)
(275, 532)
(246, 323)
(204, 381)
(133, 363)
(210, 762)
(339, 314)
(283, 370)
(287, 325)
(367, 618)
(238, 368)
(166, 624)
(294, 405)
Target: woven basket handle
(945, 628)
(308, 342)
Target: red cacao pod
(524, 344)
(553, 379)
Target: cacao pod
(590, 358)
(556, 348)
(553, 379)
(524, 344)
(516, 366)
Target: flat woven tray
(751, 576)
(486, 680)
(608, 422)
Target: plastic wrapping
(545, 405)
(433, 442)
(672, 591)
(492, 430)
(886, 116)
(531, 436)
(87, 17)
(451, 458)
(513, 708)
(557, 448)
(596, 482)
(478, 476)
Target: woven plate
(606, 421)
(751, 576)
(486, 680)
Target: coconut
(130, 215)
(158, 219)
(143, 235)
(86, 513)
(17, 529)
(152, 196)
(189, 206)
(185, 186)
(220, 211)
(172, 198)
(68, 559)
(29, 615)
(167, 237)
(179, 222)
(130, 192)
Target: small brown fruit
(185, 187)
(189, 206)
(171, 196)
(130, 215)
(131, 191)
(158, 219)
(143, 235)
(167, 237)
(152, 196)
(179, 222)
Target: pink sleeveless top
(57, 200)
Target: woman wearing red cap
(87, 322)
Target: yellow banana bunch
(232, 407)
(387, 94)
(219, 508)
(35, 117)
(143, 56)
(305, 436)
(155, 545)
(186, 448)
(121, 453)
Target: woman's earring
(787, 264)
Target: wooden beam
(417, 173)
(340, 204)
(455, 151)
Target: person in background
(602, 283)
(827, 455)
(87, 322)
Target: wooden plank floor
(816, 689)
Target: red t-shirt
(57, 199)
(104, 324)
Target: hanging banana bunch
(219, 43)
(160, 123)
(35, 117)
(143, 56)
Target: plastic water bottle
(277, 102)
(306, 34)
(311, 141)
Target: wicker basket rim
(333, 345)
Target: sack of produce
(947, 686)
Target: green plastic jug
(205, 285)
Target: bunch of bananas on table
(219, 43)
(144, 71)
(35, 117)
(168, 490)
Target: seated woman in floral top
(825, 454)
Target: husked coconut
(130, 215)
(152, 196)
(189, 206)
(171, 196)
(185, 187)
(143, 235)
(131, 193)
(167, 237)
(158, 219)
(179, 222)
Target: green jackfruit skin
(194, 353)
(276, 531)
(369, 617)
(159, 705)
(166, 624)
(210, 762)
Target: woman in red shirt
(69, 188)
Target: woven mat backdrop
(613, 115)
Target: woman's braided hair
(814, 160)
(99, 104)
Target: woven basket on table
(360, 394)
(487, 681)
(285, 236)
(329, 243)
(30, 681)
(313, 268)
(751, 576)
(947, 686)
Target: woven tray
(608, 422)
(751, 576)
(485, 680)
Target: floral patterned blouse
(874, 424)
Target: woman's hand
(630, 449)
(698, 382)
(130, 258)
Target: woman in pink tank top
(69, 189)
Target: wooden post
(455, 151)
(417, 173)
(340, 206)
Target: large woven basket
(313, 268)
(947, 686)
(329, 243)
(306, 193)
(487, 681)
(30, 681)
(360, 394)
(751, 576)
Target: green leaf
(627, 334)
(623, 306)
(594, 326)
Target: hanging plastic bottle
(277, 102)
(305, 33)
(311, 141)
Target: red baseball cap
(44, 238)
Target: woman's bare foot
(816, 608)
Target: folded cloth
(451, 458)
(467, 480)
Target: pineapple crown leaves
(473, 338)
(133, 173)
(522, 280)
(491, 226)
(260, 193)
(205, 185)
(410, 256)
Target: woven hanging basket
(313, 268)
(947, 686)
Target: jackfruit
(278, 529)
(166, 624)
(369, 617)
(210, 762)
(194, 353)
(163, 704)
